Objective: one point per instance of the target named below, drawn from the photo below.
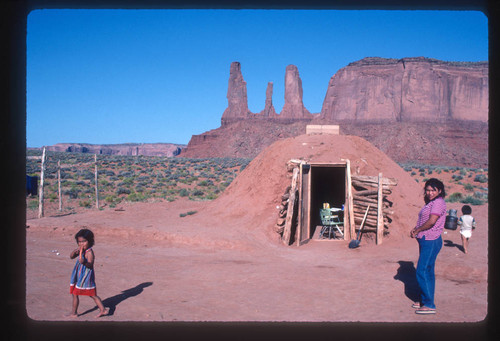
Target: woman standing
(430, 225)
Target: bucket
(451, 223)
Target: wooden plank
(375, 180)
(380, 218)
(322, 129)
(291, 206)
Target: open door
(322, 183)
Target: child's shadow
(407, 274)
(449, 243)
(113, 301)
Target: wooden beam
(291, 205)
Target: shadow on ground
(113, 301)
(407, 274)
(449, 243)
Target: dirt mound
(251, 199)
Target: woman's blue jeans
(428, 251)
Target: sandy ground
(153, 265)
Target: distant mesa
(147, 149)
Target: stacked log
(366, 193)
(285, 198)
(282, 211)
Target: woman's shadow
(407, 274)
(113, 301)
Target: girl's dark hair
(87, 234)
(466, 209)
(436, 184)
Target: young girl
(467, 224)
(82, 278)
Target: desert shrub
(454, 197)
(198, 193)
(33, 205)
(136, 197)
(481, 178)
(126, 174)
(65, 175)
(112, 199)
(468, 187)
(72, 193)
(183, 192)
(85, 203)
(122, 190)
(205, 183)
(480, 195)
(457, 177)
(211, 196)
(471, 200)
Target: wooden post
(350, 205)
(59, 183)
(299, 218)
(291, 205)
(96, 187)
(380, 217)
(40, 195)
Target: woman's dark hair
(87, 234)
(436, 184)
(466, 209)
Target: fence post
(96, 188)
(59, 183)
(40, 196)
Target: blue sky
(146, 76)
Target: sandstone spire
(293, 107)
(236, 95)
(269, 108)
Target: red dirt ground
(225, 263)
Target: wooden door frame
(304, 214)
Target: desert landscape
(189, 233)
(224, 261)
